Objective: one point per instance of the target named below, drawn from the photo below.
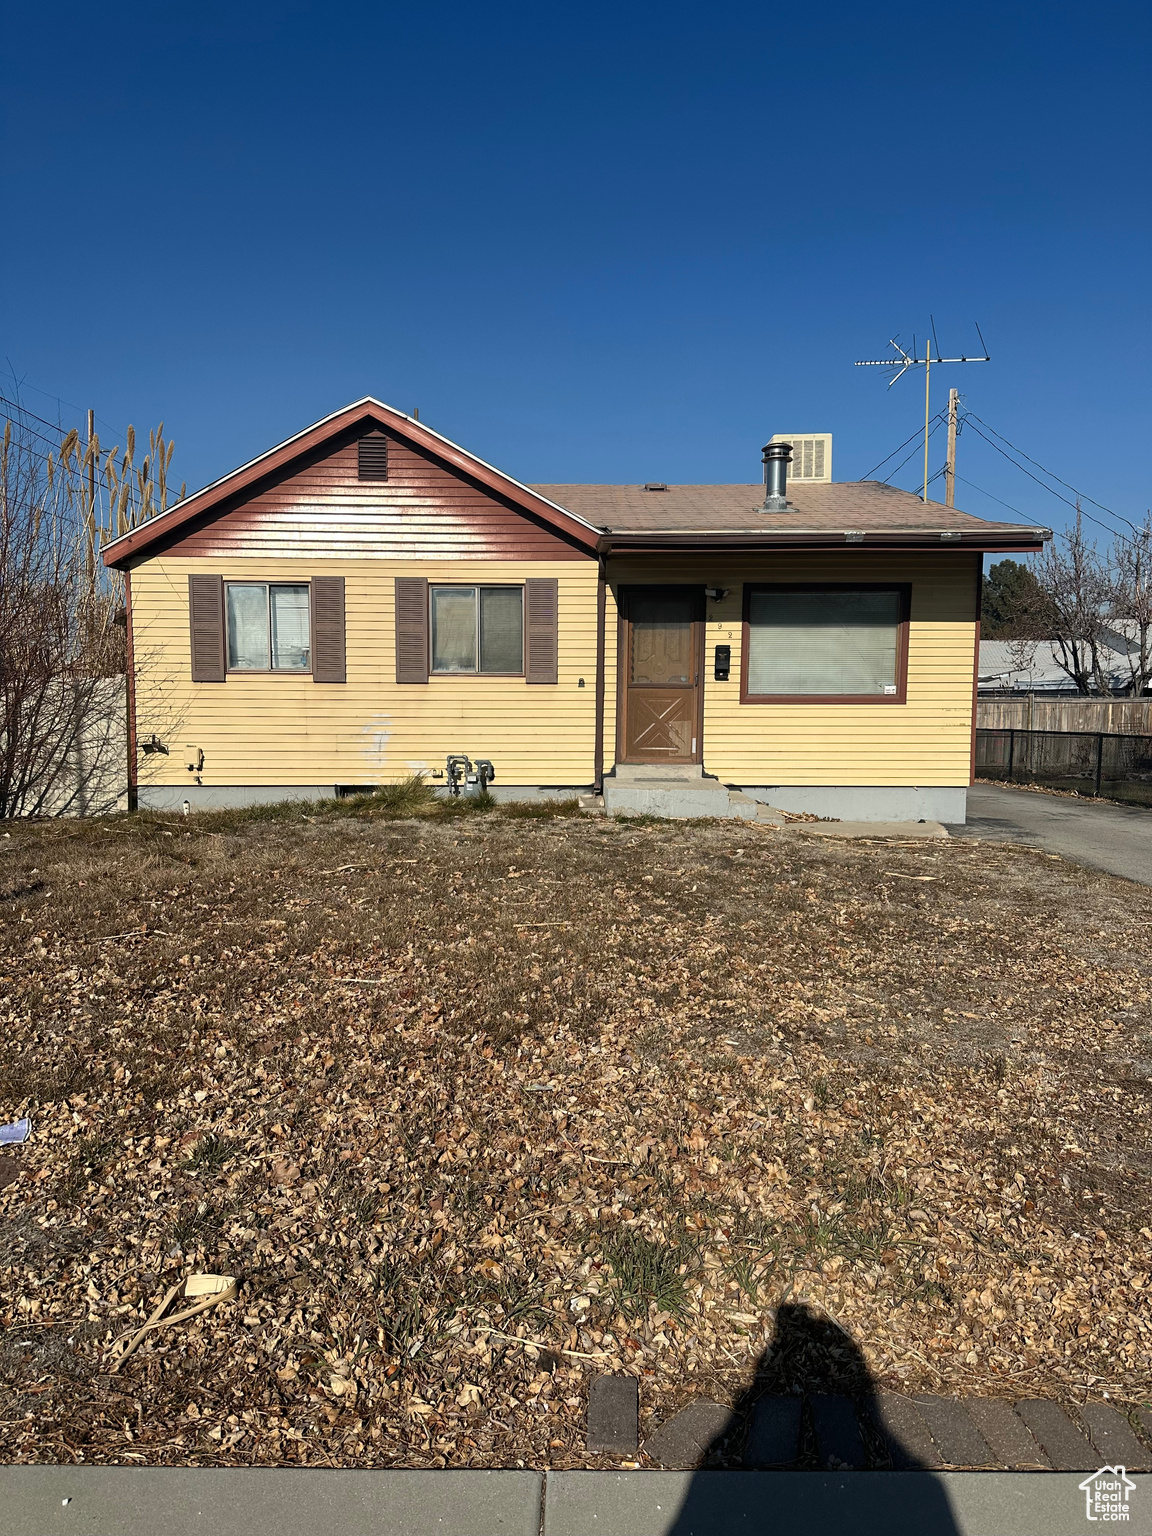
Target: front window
(830, 643)
(268, 627)
(478, 629)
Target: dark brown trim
(621, 670)
(208, 648)
(904, 588)
(541, 630)
(130, 696)
(976, 660)
(624, 662)
(896, 543)
(328, 637)
(412, 627)
(363, 411)
(601, 664)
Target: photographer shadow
(839, 1458)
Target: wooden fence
(1115, 717)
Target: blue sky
(590, 242)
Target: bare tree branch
(62, 649)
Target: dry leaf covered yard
(476, 1106)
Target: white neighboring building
(1030, 666)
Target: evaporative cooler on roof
(811, 454)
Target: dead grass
(478, 1100)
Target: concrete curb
(827, 1504)
(266, 1501)
(227, 1501)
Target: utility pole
(927, 396)
(906, 360)
(950, 467)
(90, 520)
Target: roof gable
(276, 463)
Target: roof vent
(372, 461)
(776, 457)
(655, 485)
(811, 454)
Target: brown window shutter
(206, 623)
(411, 629)
(541, 598)
(329, 658)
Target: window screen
(268, 627)
(477, 629)
(247, 628)
(290, 648)
(501, 629)
(812, 643)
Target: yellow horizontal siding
(926, 741)
(289, 730)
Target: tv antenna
(905, 360)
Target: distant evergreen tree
(1015, 606)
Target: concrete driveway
(1116, 838)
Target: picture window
(836, 644)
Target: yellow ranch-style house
(367, 599)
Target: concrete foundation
(852, 802)
(228, 797)
(674, 792)
(504, 792)
(225, 797)
(683, 790)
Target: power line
(107, 497)
(16, 405)
(888, 478)
(52, 442)
(72, 406)
(983, 492)
(1050, 473)
(44, 422)
(916, 435)
(1115, 532)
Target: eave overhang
(704, 541)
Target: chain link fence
(1089, 762)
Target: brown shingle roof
(852, 506)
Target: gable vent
(372, 463)
(811, 455)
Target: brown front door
(661, 651)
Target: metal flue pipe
(777, 457)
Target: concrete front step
(678, 799)
(678, 773)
